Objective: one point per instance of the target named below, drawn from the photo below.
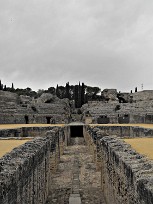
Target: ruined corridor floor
(89, 179)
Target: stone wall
(16, 109)
(33, 118)
(139, 110)
(126, 176)
(126, 131)
(25, 131)
(10, 132)
(25, 172)
(146, 95)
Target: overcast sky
(105, 43)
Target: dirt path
(76, 159)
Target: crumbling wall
(25, 131)
(35, 131)
(145, 95)
(13, 118)
(126, 131)
(126, 176)
(25, 172)
(17, 132)
(138, 108)
(16, 109)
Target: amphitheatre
(99, 152)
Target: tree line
(80, 93)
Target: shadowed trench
(76, 175)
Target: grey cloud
(103, 42)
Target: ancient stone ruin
(47, 108)
(27, 172)
(80, 156)
(113, 107)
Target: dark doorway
(76, 131)
(48, 120)
(26, 119)
(149, 118)
(124, 119)
(103, 119)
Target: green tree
(40, 92)
(92, 92)
(71, 92)
(57, 91)
(1, 85)
(4, 88)
(82, 94)
(12, 86)
(61, 92)
(51, 90)
(67, 94)
(79, 95)
(76, 96)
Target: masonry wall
(12, 118)
(25, 132)
(25, 172)
(126, 131)
(126, 176)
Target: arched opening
(149, 118)
(103, 119)
(122, 100)
(124, 119)
(48, 120)
(26, 119)
(76, 131)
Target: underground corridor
(76, 181)
(76, 131)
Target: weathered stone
(25, 172)
(126, 176)
(23, 109)
(109, 94)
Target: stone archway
(48, 119)
(76, 131)
(26, 119)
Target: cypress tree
(0, 85)
(82, 94)
(76, 96)
(5, 88)
(57, 91)
(79, 96)
(67, 95)
(12, 86)
(136, 89)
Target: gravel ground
(89, 178)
